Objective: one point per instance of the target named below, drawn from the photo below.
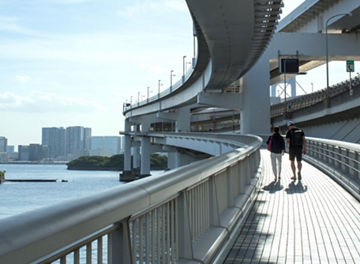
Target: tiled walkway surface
(312, 221)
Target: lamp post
(148, 93)
(327, 100)
(171, 75)
(159, 84)
(184, 65)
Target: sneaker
(299, 176)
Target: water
(19, 197)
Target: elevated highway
(194, 213)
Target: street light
(171, 75)
(184, 65)
(327, 101)
(148, 93)
(159, 84)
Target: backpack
(296, 137)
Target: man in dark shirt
(295, 137)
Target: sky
(75, 62)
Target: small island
(114, 163)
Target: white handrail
(164, 200)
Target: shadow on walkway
(273, 187)
(296, 188)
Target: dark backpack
(296, 137)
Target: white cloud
(22, 78)
(40, 102)
(152, 7)
(11, 24)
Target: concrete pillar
(136, 156)
(255, 117)
(182, 123)
(127, 147)
(171, 160)
(145, 156)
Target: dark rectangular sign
(289, 66)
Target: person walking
(276, 145)
(295, 137)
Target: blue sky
(74, 62)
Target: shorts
(295, 152)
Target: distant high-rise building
(10, 148)
(105, 146)
(77, 141)
(3, 144)
(54, 138)
(23, 152)
(36, 152)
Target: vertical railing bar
(163, 227)
(158, 235)
(148, 237)
(168, 235)
(88, 253)
(173, 249)
(134, 249)
(141, 236)
(77, 256)
(153, 233)
(197, 211)
(100, 250)
(63, 260)
(176, 229)
(109, 248)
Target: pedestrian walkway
(311, 221)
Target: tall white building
(105, 146)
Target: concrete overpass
(191, 214)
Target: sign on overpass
(350, 66)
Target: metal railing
(187, 214)
(340, 159)
(307, 100)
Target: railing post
(352, 164)
(119, 247)
(213, 202)
(357, 166)
(336, 157)
(241, 175)
(184, 239)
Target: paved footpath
(311, 221)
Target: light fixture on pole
(184, 65)
(171, 75)
(148, 93)
(159, 84)
(327, 100)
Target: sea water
(19, 197)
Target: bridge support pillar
(127, 148)
(145, 157)
(255, 113)
(182, 123)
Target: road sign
(350, 66)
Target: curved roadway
(231, 36)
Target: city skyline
(70, 62)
